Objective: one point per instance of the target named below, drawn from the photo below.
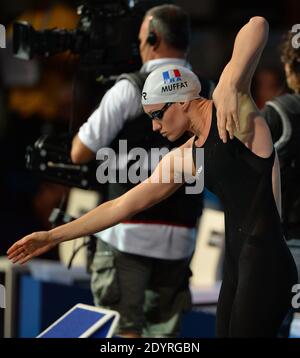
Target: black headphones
(152, 37)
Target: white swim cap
(171, 83)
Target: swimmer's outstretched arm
(237, 76)
(156, 188)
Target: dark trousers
(150, 294)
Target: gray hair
(172, 24)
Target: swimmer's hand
(225, 97)
(30, 246)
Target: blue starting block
(83, 321)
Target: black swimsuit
(259, 271)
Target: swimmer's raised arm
(248, 46)
(237, 76)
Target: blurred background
(51, 96)
(37, 96)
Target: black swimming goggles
(160, 113)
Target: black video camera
(106, 38)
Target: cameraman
(141, 267)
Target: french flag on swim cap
(171, 76)
(170, 83)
